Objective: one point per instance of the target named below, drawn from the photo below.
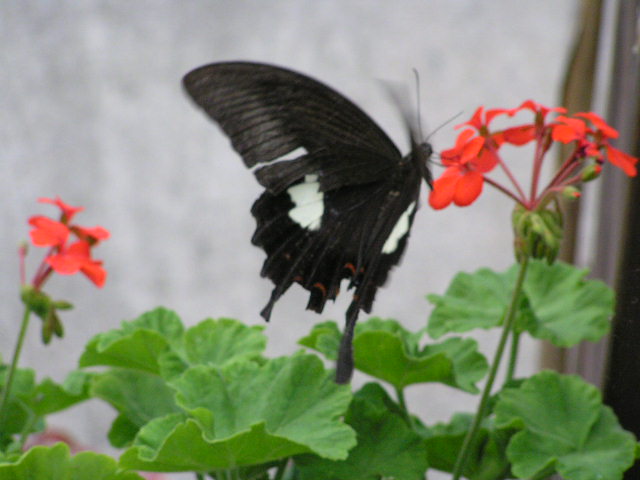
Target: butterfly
(339, 197)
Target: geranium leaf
(324, 338)
(51, 397)
(386, 350)
(137, 344)
(563, 427)
(488, 460)
(55, 463)
(567, 308)
(221, 341)
(387, 447)
(558, 303)
(138, 396)
(476, 300)
(247, 414)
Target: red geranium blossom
(476, 153)
(65, 258)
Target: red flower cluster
(476, 153)
(64, 257)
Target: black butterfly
(339, 198)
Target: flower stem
(512, 178)
(403, 406)
(470, 438)
(4, 402)
(513, 355)
(504, 190)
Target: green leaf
(564, 428)
(324, 338)
(122, 432)
(558, 303)
(386, 350)
(55, 463)
(487, 460)
(387, 447)
(19, 409)
(222, 341)
(51, 397)
(477, 300)
(247, 414)
(567, 308)
(137, 344)
(138, 396)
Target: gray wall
(91, 109)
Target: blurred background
(91, 109)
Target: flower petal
(67, 210)
(444, 189)
(520, 135)
(47, 232)
(486, 161)
(468, 188)
(622, 160)
(69, 260)
(602, 126)
(94, 272)
(476, 119)
(91, 234)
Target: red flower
(476, 153)
(77, 258)
(47, 232)
(63, 258)
(67, 210)
(593, 142)
(456, 185)
(461, 183)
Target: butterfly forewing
(339, 198)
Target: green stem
(282, 466)
(470, 438)
(513, 355)
(403, 406)
(199, 476)
(4, 402)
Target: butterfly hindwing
(339, 199)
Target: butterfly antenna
(417, 76)
(447, 122)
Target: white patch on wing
(399, 230)
(308, 201)
(292, 155)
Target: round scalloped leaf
(247, 414)
(55, 463)
(221, 341)
(567, 308)
(558, 303)
(564, 428)
(455, 362)
(473, 300)
(138, 396)
(324, 338)
(136, 344)
(387, 447)
(386, 350)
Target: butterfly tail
(344, 367)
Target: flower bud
(571, 193)
(537, 234)
(591, 172)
